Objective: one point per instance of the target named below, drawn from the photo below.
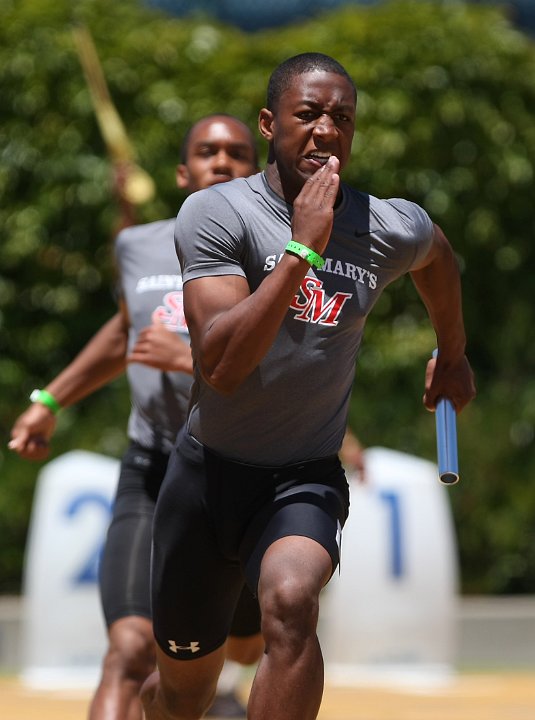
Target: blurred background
(445, 118)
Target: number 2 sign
(63, 627)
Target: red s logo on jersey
(171, 313)
(314, 307)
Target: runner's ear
(265, 120)
(182, 177)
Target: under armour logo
(193, 646)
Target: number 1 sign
(391, 610)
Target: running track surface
(469, 696)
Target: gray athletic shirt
(293, 406)
(151, 285)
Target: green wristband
(302, 251)
(47, 399)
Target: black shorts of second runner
(125, 566)
(214, 521)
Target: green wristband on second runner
(47, 399)
(305, 253)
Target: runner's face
(219, 149)
(314, 119)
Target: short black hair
(283, 75)
(184, 147)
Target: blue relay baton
(446, 427)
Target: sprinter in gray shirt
(280, 271)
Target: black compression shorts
(214, 521)
(125, 564)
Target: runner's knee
(289, 611)
(131, 651)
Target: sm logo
(313, 306)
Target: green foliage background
(446, 107)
